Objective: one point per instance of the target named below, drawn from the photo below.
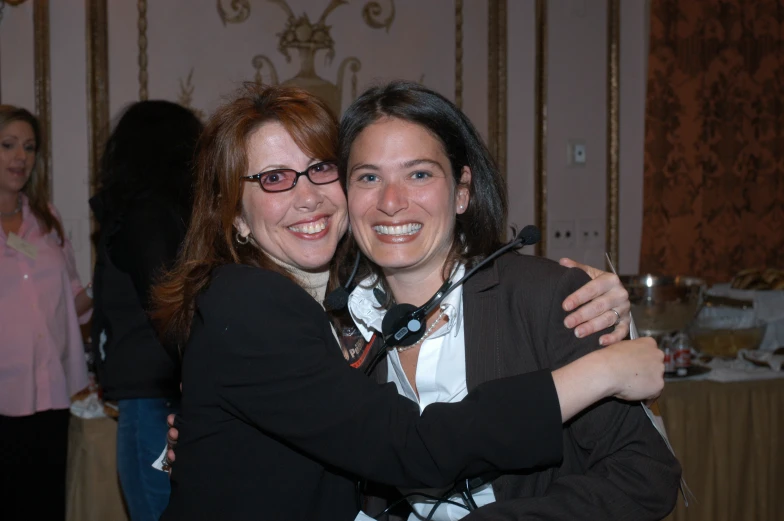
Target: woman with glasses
(275, 424)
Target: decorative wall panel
(488, 56)
(19, 18)
(198, 51)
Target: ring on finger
(618, 319)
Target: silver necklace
(427, 333)
(16, 210)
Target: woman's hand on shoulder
(601, 303)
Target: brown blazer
(615, 466)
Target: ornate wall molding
(459, 53)
(97, 51)
(239, 11)
(97, 82)
(372, 15)
(496, 81)
(308, 39)
(613, 127)
(43, 96)
(540, 147)
(143, 93)
(185, 97)
(41, 80)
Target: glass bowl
(725, 337)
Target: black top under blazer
(615, 465)
(276, 425)
(135, 244)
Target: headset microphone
(338, 297)
(403, 324)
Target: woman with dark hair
(42, 303)
(427, 204)
(275, 423)
(143, 207)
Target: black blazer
(615, 465)
(276, 425)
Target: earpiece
(338, 297)
(380, 296)
(403, 324)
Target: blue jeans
(141, 436)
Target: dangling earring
(241, 239)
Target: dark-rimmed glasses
(285, 179)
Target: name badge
(22, 246)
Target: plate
(765, 359)
(692, 370)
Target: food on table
(759, 279)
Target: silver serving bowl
(661, 305)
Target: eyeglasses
(285, 179)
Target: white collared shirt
(440, 375)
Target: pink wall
(576, 109)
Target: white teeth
(310, 228)
(402, 229)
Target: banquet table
(729, 438)
(93, 488)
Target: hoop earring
(241, 239)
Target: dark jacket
(133, 246)
(276, 425)
(615, 465)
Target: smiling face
(301, 226)
(17, 156)
(402, 197)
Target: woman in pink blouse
(42, 303)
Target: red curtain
(714, 151)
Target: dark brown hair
(478, 231)
(150, 148)
(221, 158)
(37, 187)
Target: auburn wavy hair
(221, 158)
(37, 187)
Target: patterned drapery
(714, 150)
